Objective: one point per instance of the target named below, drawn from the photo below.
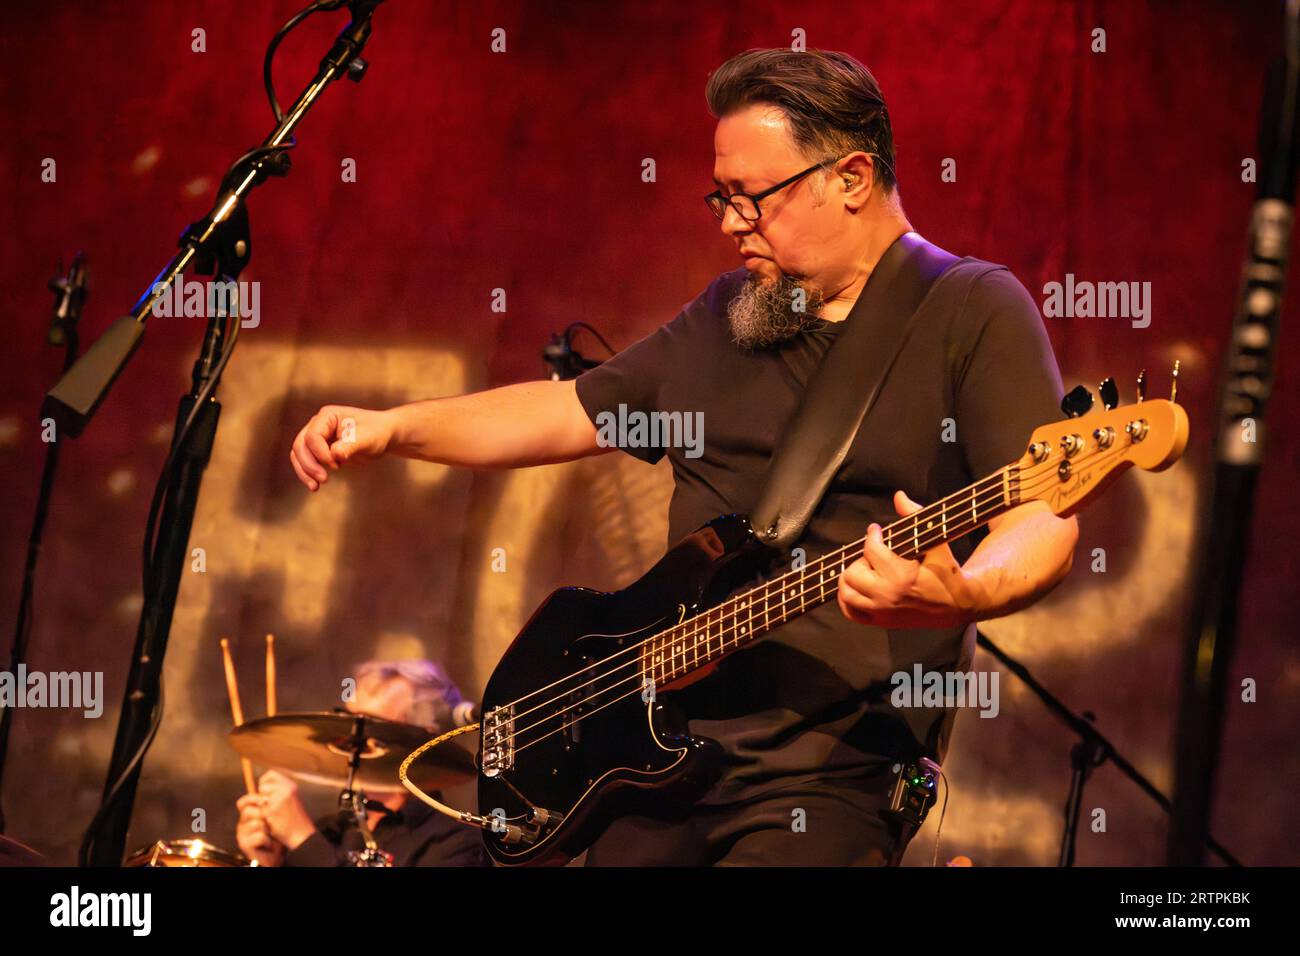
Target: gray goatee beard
(764, 312)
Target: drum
(184, 853)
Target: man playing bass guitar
(806, 192)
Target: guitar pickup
(572, 717)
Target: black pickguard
(588, 749)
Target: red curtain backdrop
(522, 170)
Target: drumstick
(237, 712)
(270, 675)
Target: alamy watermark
(637, 429)
(191, 299)
(921, 688)
(1104, 300)
(78, 690)
(133, 911)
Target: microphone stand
(71, 293)
(1246, 385)
(218, 243)
(1092, 750)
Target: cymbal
(317, 748)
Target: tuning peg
(1077, 401)
(1142, 386)
(1173, 387)
(1109, 394)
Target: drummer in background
(275, 829)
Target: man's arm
(532, 423)
(1027, 552)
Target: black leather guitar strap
(843, 388)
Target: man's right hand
(338, 434)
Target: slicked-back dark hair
(831, 101)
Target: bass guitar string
(889, 532)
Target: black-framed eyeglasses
(746, 205)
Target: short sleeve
(635, 376)
(1007, 379)
(631, 379)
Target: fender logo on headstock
(1063, 494)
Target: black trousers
(822, 823)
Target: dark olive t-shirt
(812, 698)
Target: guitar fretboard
(704, 638)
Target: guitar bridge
(498, 751)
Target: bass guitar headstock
(1069, 461)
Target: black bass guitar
(577, 724)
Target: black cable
(938, 832)
(164, 478)
(88, 841)
(568, 335)
(149, 577)
(318, 7)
